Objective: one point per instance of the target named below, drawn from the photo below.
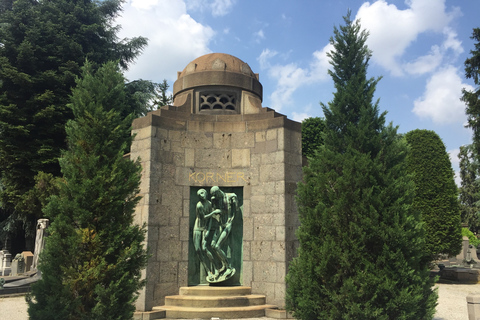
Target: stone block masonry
(217, 134)
(260, 161)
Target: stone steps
(208, 313)
(215, 291)
(214, 302)
(208, 301)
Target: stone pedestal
(2, 252)
(28, 256)
(6, 263)
(462, 256)
(473, 305)
(18, 265)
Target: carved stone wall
(178, 150)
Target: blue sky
(419, 48)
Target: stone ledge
(460, 275)
(149, 315)
(278, 314)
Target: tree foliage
(436, 195)
(148, 96)
(94, 253)
(43, 46)
(312, 138)
(470, 155)
(361, 253)
(469, 195)
(472, 98)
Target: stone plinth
(18, 265)
(6, 258)
(28, 256)
(461, 275)
(473, 305)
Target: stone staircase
(208, 302)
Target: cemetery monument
(218, 186)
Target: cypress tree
(436, 194)
(470, 192)
(472, 97)
(94, 254)
(361, 253)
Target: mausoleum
(218, 184)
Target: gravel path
(452, 303)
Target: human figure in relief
(200, 232)
(224, 209)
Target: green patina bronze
(216, 234)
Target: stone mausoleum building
(217, 134)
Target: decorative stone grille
(217, 101)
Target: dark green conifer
(469, 193)
(43, 46)
(472, 97)
(436, 194)
(94, 253)
(361, 253)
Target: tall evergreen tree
(472, 98)
(92, 259)
(361, 253)
(436, 194)
(469, 191)
(43, 46)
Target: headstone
(42, 224)
(28, 257)
(7, 260)
(1, 261)
(462, 256)
(18, 265)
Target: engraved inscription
(212, 177)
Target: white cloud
(259, 36)
(424, 64)
(453, 154)
(217, 7)
(452, 42)
(433, 60)
(299, 117)
(393, 30)
(441, 100)
(264, 58)
(321, 63)
(221, 7)
(174, 37)
(290, 77)
(143, 4)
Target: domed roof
(217, 72)
(217, 62)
